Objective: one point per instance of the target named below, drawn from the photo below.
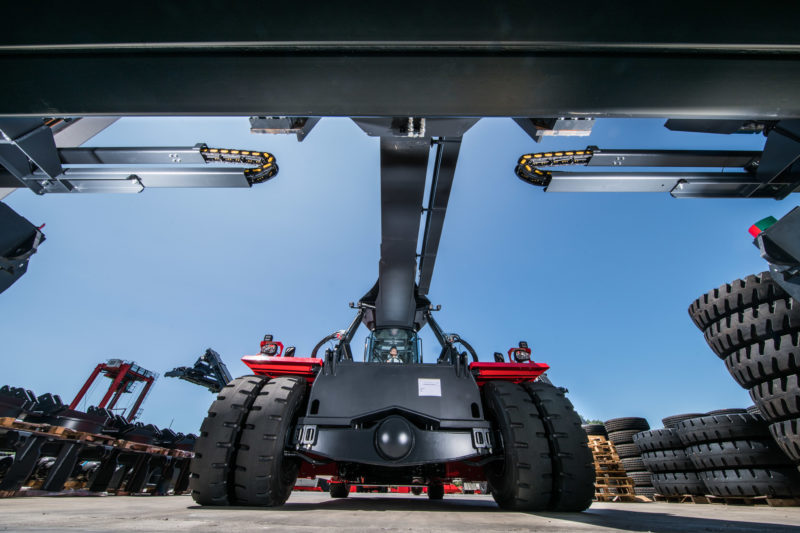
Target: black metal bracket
(208, 371)
(780, 248)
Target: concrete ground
(313, 511)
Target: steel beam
(131, 156)
(781, 157)
(682, 60)
(64, 464)
(25, 459)
(443, 173)
(404, 165)
(135, 180)
(108, 466)
(679, 184)
(673, 158)
(567, 84)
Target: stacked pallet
(47, 459)
(620, 433)
(611, 482)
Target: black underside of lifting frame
(505, 58)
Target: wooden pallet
(13, 423)
(626, 498)
(754, 500)
(616, 482)
(612, 483)
(71, 434)
(56, 431)
(82, 436)
(680, 498)
(141, 447)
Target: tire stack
(754, 326)
(664, 456)
(621, 432)
(735, 456)
(598, 430)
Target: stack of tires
(735, 456)
(620, 432)
(595, 429)
(663, 454)
(754, 326)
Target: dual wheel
(546, 463)
(239, 455)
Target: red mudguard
(514, 372)
(308, 367)
(263, 365)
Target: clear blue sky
(598, 284)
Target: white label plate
(429, 387)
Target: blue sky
(598, 284)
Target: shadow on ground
(622, 519)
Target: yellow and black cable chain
(264, 163)
(527, 165)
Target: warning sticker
(429, 387)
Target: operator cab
(393, 345)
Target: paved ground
(376, 512)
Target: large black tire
(435, 491)
(573, 463)
(755, 411)
(733, 297)
(546, 464)
(671, 422)
(774, 482)
(264, 475)
(522, 480)
(787, 436)
(633, 464)
(595, 429)
(657, 439)
(732, 411)
(625, 424)
(623, 437)
(647, 492)
(640, 479)
(722, 427)
(764, 323)
(626, 451)
(416, 491)
(678, 483)
(778, 399)
(339, 490)
(737, 454)
(667, 461)
(212, 468)
(757, 363)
